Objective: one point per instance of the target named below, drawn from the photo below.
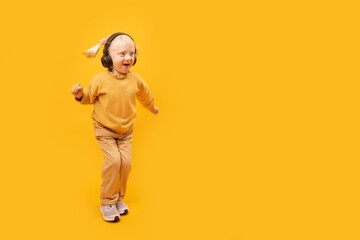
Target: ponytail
(91, 53)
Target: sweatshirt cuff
(151, 107)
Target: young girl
(113, 93)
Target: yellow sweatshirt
(114, 99)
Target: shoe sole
(110, 219)
(125, 212)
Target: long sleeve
(90, 93)
(144, 95)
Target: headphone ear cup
(135, 59)
(106, 61)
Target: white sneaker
(109, 213)
(122, 207)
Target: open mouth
(126, 64)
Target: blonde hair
(91, 53)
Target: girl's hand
(156, 110)
(77, 91)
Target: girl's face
(122, 53)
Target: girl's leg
(125, 151)
(110, 170)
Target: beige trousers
(117, 151)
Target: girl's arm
(145, 98)
(88, 95)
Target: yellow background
(257, 135)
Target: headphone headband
(111, 38)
